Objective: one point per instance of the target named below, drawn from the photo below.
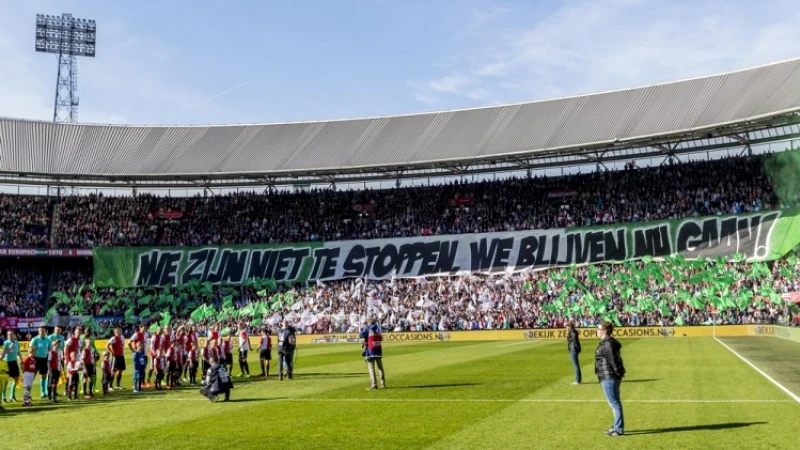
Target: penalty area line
(764, 374)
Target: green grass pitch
(679, 393)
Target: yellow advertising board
(542, 334)
(534, 335)
(778, 331)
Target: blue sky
(195, 62)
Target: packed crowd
(638, 293)
(730, 186)
(25, 221)
(727, 186)
(22, 293)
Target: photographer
(218, 382)
(287, 341)
(373, 352)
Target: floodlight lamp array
(66, 35)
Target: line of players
(174, 354)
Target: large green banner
(761, 236)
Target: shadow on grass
(331, 375)
(712, 427)
(42, 407)
(435, 386)
(249, 400)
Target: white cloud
(450, 84)
(602, 45)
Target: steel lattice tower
(69, 38)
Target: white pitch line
(479, 400)
(516, 343)
(764, 374)
(524, 400)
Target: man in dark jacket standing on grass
(574, 347)
(287, 342)
(610, 371)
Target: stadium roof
(527, 135)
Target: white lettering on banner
(382, 259)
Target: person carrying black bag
(287, 342)
(574, 347)
(218, 382)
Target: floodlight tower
(69, 38)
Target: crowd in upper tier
(727, 186)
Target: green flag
(129, 317)
(49, 314)
(198, 314)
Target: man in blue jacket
(373, 352)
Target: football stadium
(619, 268)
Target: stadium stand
(728, 186)
(738, 109)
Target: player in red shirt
(265, 352)
(180, 353)
(138, 336)
(73, 344)
(160, 363)
(244, 347)
(72, 348)
(155, 346)
(226, 350)
(54, 370)
(191, 363)
(28, 373)
(167, 338)
(213, 334)
(73, 369)
(108, 375)
(172, 365)
(116, 346)
(190, 341)
(205, 356)
(87, 359)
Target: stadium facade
(738, 109)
